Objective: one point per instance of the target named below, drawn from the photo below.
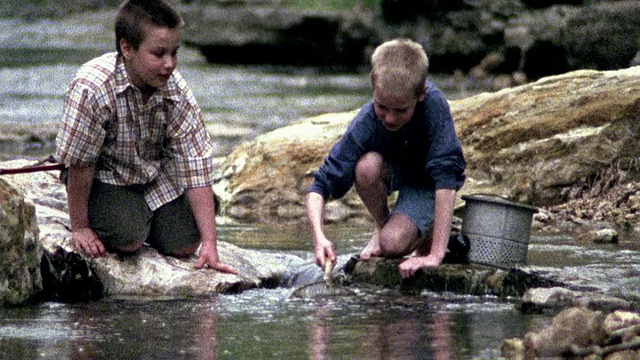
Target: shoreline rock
(20, 251)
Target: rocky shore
(508, 42)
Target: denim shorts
(121, 217)
(417, 203)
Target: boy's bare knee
(393, 244)
(369, 167)
(184, 252)
(392, 250)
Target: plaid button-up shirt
(161, 144)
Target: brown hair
(399, 67)
(134, 15)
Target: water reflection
(368, 323)
(207, 337)
(402, 337)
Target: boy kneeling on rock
(134, 142)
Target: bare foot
(372, 248)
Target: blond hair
(399, 67)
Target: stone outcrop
(145, 274)
(20, 250)
(466, 279)
(264, 33)
(554, 299)
(562, 138)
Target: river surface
(39, 59)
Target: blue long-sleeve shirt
(425, 152)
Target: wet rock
(146, 273)
(555, 299)
(580, 333)
(573, 327)
(66, 277)
(20, 251)
(622, 323)
(602, 236)
(469, 279)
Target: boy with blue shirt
(403, 140)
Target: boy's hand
(209, 257)
(87, 241)
(324, 252)
(409, 267)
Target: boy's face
(150, 66)
(395, 111)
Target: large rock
(265, 180)
(147, 273)
(534, 143)
(20, 251)
(542, 143)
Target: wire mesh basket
(498, 229)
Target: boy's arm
(83, 237)
(444, 204)
(315, 216)
(203, 207)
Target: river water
(38, 60)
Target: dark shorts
(417, 203)
(121, 217)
